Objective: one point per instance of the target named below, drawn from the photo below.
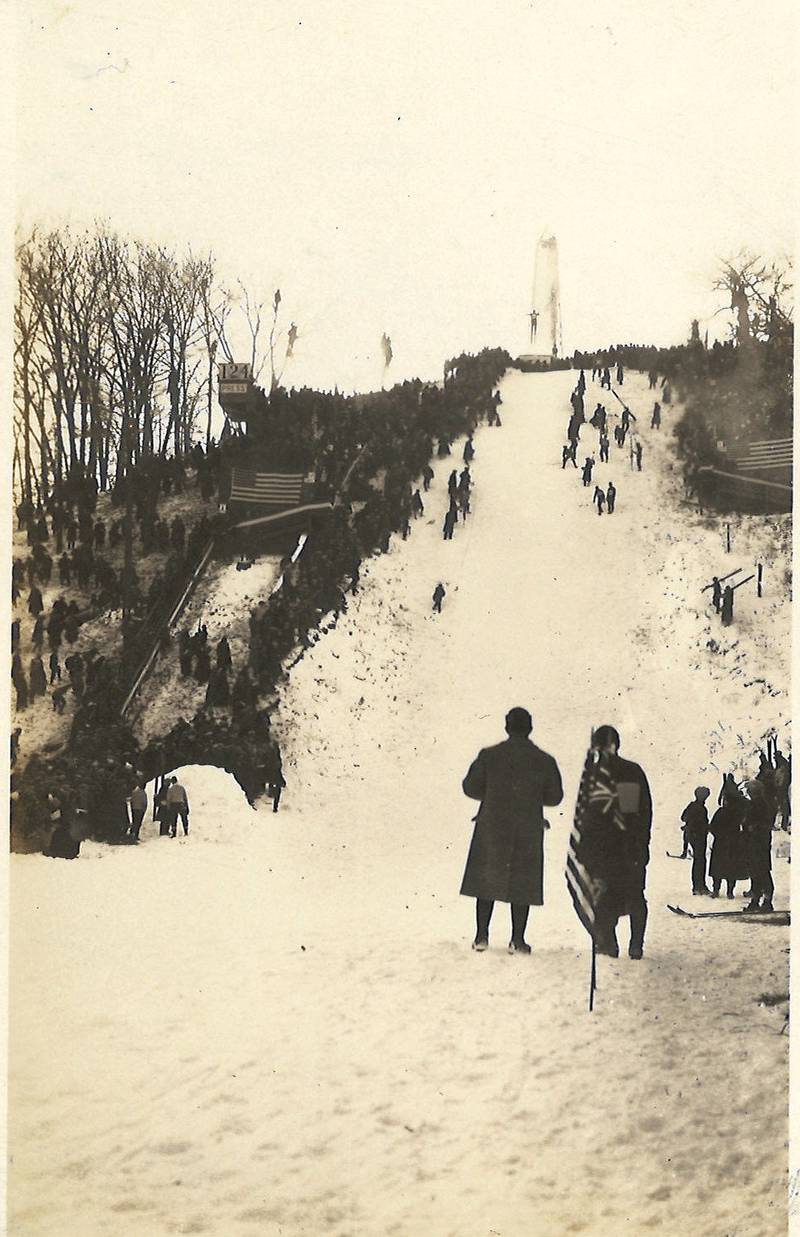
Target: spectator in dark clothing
(599, 499)
(728, 861)
(449, 523)
(224, 659)
(427, 477)
(438, 597)
(695, 818)
(567, 454)
(757, 829)
(513, 781)
(38, 678)
(21, 688)
(655, 420)
(55, 669)
(35, 603)
(727, 606)
(63, 843)
(588, 465)
(611, 497)
(37, 635)
(638, 454)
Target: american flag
(767, 453)
(597, 819)
(275, 489)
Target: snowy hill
(276, 1026)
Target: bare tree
(759, 292)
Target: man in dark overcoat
(627, 849)
(513, 780)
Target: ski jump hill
(319, 1051)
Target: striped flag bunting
(275, 489)
(755, 456)
(593, 840)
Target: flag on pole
(593, 854)
(272, 488)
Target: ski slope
(276, 1026)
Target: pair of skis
(781, 918)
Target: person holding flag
(609, 847)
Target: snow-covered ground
(276, 1025)
(223, 600)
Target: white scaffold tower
(544, 318)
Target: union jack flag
(598, 820)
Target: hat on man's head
(604, 735)
(519, 721)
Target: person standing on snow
(427, 477)
(599, 499)
(588, 465)
(727, 606)
(655, 420)
(758, 821)
(638, 454)
(611, 497)
(178, 802)
(513, 781)
(695, 819)
(138, 802)
(716, 594)
(728, 861)
(629, 849)
(438, 597)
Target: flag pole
(593, 981)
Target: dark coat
(628, 852)
(728, 860)
(513, 780)
(695, 818)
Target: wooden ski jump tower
(544, 318)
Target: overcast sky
(391, 166)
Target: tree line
(115, 342)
